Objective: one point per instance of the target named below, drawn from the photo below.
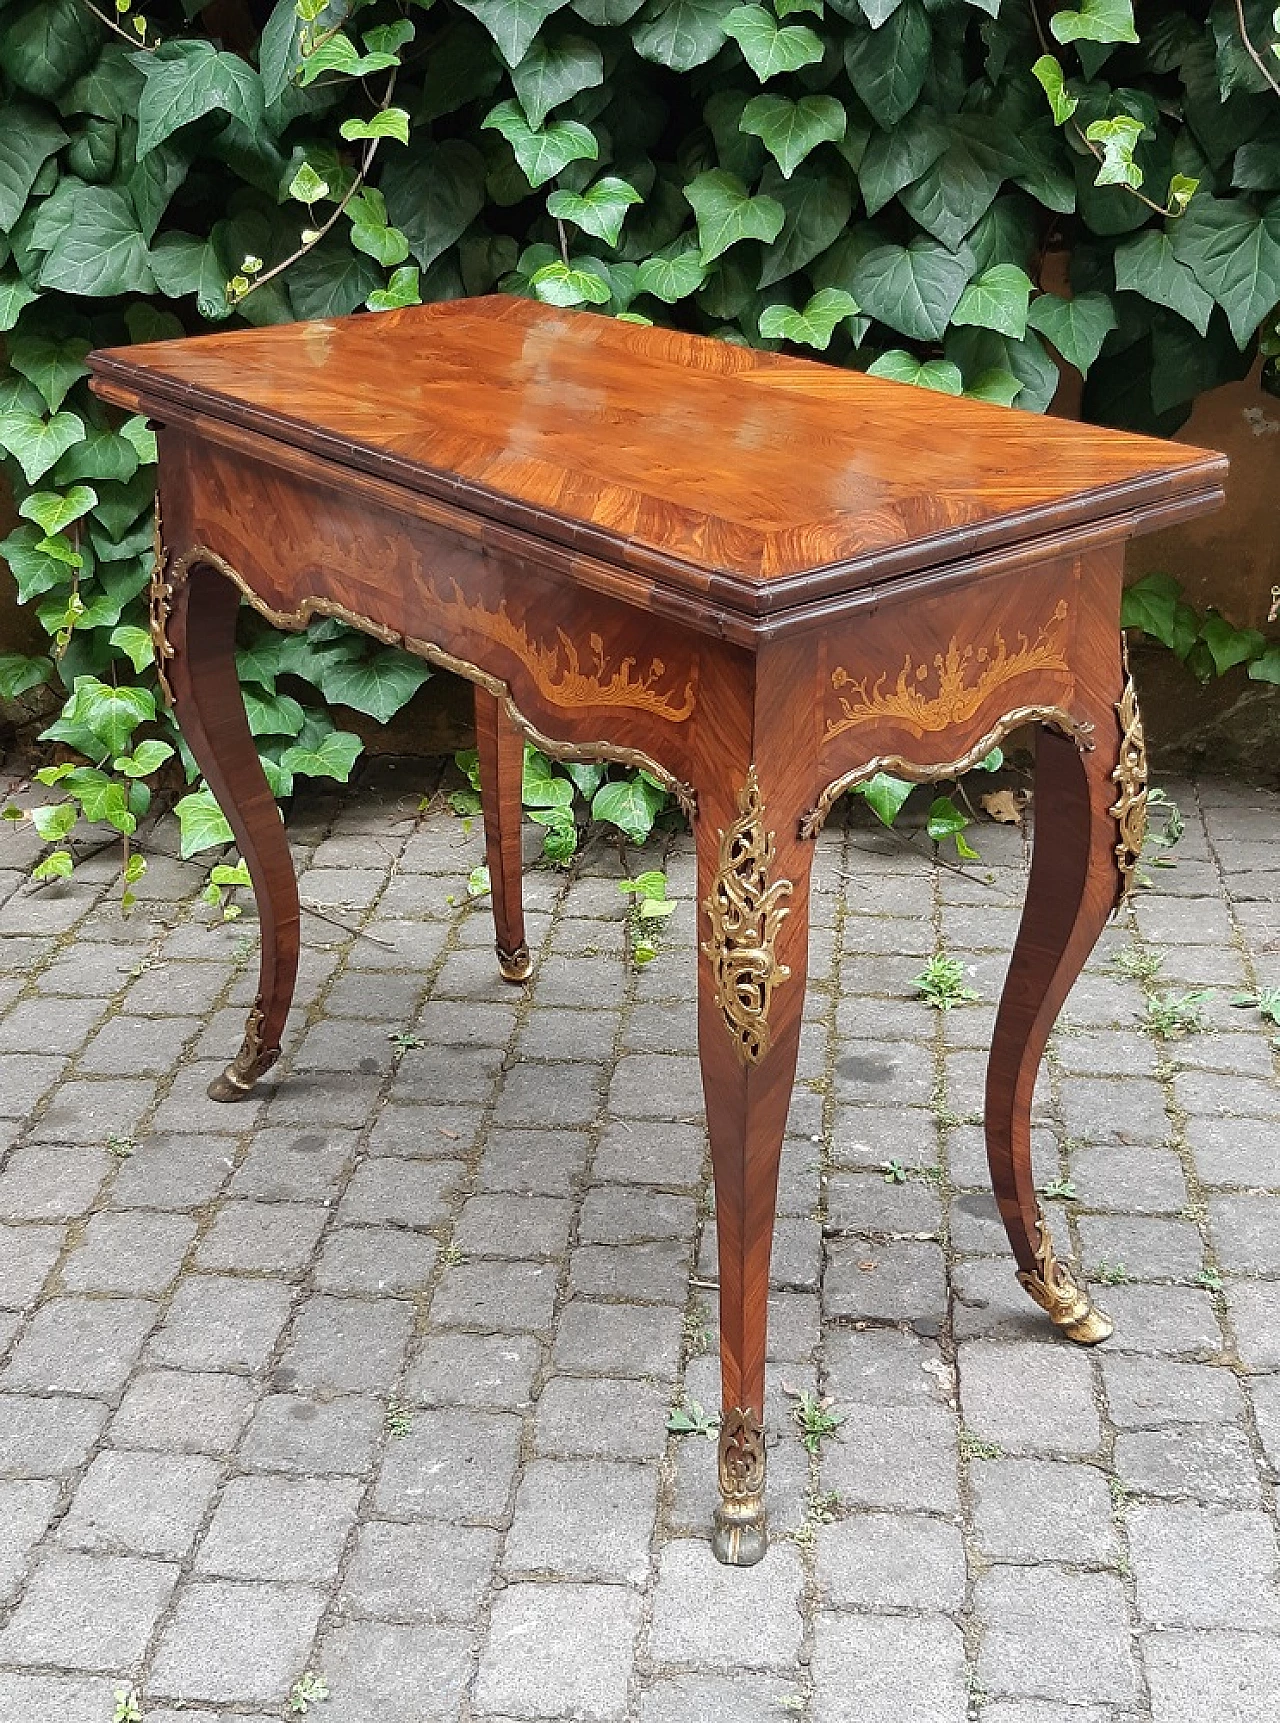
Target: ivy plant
(967, 195)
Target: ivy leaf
(553, 72)
(559, 283)
(1263, 669)
(894, 159)
(19, 673)
(726, 212)
(1229, 646)
(340, 54)
(631, 804)
(111, 714)
(332, 756)
(15, 296)
(681, 34)
(137, 647)
(434, 192)
(402, 289)
(674, 273)
(1147, 265)
(202, 825)
(877, 11)
(997, 299)
(378, 686)
(770, 48)
(815, 325)
(101, 251)
(885, 796)
(1048, 74)
(998, 386)
(307, 186)
(791, 130)
(600, 210)
(53, 366)
(28, 137)
(58, 864)
(903, 367)
(955, 192)
(1233, 250)
(1077, 327)
(1154, 604)
(36, 443)
(386, 123)
(331, 280)
(45, 46)
(887, 67)
(911, 288)
(1096, 21)
(541, 154)
(54, 820)
(816, 205)
(187, 79)
(513, 24)
(1119, 136)
(370, 233)
(53, 512)
(33, 569)
(541, 786)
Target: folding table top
(786, 478)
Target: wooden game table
(761, 579)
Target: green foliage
(883, 182)
(1208, 645)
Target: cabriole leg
(500, 746)
(1089, 813)
(193, 627)
(753, 893)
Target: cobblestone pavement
(370, 1377)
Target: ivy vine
(967, 195)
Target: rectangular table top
(783, 477)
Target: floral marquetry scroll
(746, 908)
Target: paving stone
(898, 1667)
(1053, 1634)
(698, 1698)
(1167, 1319)
(46, 1438)
(375, 1259)
(556, 1032)
(1229, 1677)
(886, 1367)
(293, 1433)
(549, 1095)
(1146, 1249)
(421, 1131)
(596, 1339)
(908, 1283)
(696, 1620)
(27, 1253)
(51, 1184)
(337, 1097)
(1148, 1393)
(1029, 1399)
(396, 1674)
(453, 1465)
(1115, 1110)
(544, 1163)
(183, 1412)
(496, 1297)
(658, 1271)
(26, 1509)
(444, 1025)
(218, 1323)
(558, 1650)
(140, 1504)
(419, 1573)
(1211, 1567)
(234, 1643)
(346, 1345)
(174, 1173)
(87, 1612)
(89, 1111)
(415, 1193)
(26, 1077)
(1207, 1462)
(491, 1371)
(280, 1528)
(43, 1025)
(891, 1561)
(618, 1214)
(81, 1345)
(128, 1253)
(513, 1226)
(1135, 1180)
(894, 1457)
(797, 1254)
(271, 1238)
(656, 1086)
(60, 1699)
(288, 1166)
(583, 1519)
(865, 1203)
(1246, 1233)
(870, 1136)
(1215, 1095)
(147, 1046)
(1029, 1509)
(586, 1418)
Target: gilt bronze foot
(236, 1083)
(1068, 1304)
(515, 965)
(739, 1537)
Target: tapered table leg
(194, 626)
(500, 746)
(1089, 816)
(753, 877)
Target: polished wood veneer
(761, 578)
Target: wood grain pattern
(757, 576)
